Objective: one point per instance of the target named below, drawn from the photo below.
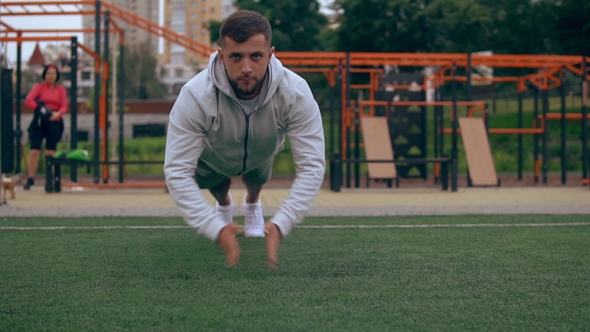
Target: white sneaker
(254, 225)
(226, 212)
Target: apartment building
(134, 36)
(191, 18)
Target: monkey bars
(341, 63)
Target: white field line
(51, 228)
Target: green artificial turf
(479, 278)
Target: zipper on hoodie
(245, 136)
(246, 142)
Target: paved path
(367, 202)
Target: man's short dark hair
(242, 25)
(45, 72)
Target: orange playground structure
(337, 67)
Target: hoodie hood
(218, 75)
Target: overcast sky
(61, 22)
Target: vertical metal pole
(121, 110)
(114, 97)
(563, 130)
(348, 165)
(105, 138)
(332, 120)
(536, 136)
(468, 74)
(341, 112)
(96, 94)
(18, 134)
(74, 105)
(545, 167)
(348, 156)
(347, 79)
(1, 170)
(454, 156)
(357, 148)
(436, 128)
(584, 120)
(494, 103)
(441, 125)
(338, 161)
(520, 126)
(486, 113)
(424, 121)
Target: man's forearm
(195, 210)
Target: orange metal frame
(97, 68)
(21, 8)
(329, 73)
(333, 59)
(545, 79)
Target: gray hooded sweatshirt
(207, 122)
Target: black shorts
(51, 131)
(208, 178)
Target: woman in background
(49, 100)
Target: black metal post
(348, 157)
(584, 121)
(563, 130)
(454, 156)
(357, 148)
(18, 134)
(444, 175)
(520, 126)
(424, 134)
(347, 79)
(121, 112)
(486, 122)
(545, 167)
(337, 183)
(468, 74)
(105, 138)
(336, 172)
(74, 105)
(48, 174)
(536, 136)
(494, 109)
(96, 95)
(57, 177)
(441, 125)
(332, 114)
(348, 166)
(436, 127)
(340, 107)
(435, 132)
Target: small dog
(9, 183)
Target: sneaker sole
(248, 234)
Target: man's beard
(235, 85)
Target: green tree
(411, 26)
(571, 25)
(378, 26)
(296, 23)
(141, 81)
(450, 26)
(518, 27)
(214, 27)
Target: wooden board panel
(477, 150)
(378, 147)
